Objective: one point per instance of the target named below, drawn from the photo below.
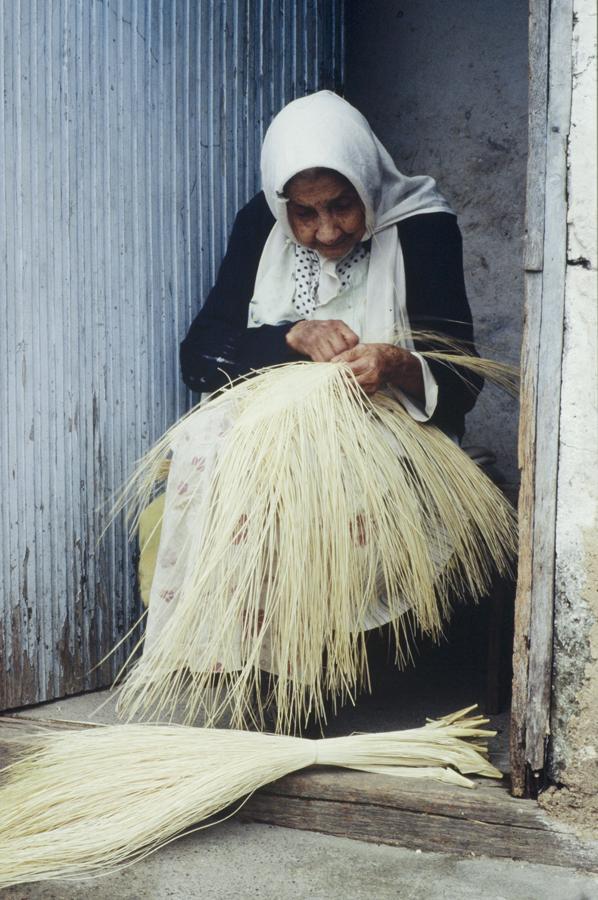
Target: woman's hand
(321, 340)
(375, 365)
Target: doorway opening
(445, 87)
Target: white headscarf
(324, 131)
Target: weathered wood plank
(527, 442)
(550, 100)
(417, 831)
(536, 160)
(487, 802)
(484, 821)
(549, 383)
(539, 15)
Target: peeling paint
(21, 688)
(574, 722)
(69, 663)
(575, 656)
(117, 224)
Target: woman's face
(325, 213)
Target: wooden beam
(539, 13)
(549, 383)
(523, 597)
(484, 821)
(549, 122)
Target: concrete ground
(240, 861)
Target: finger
(333, 346)
(345, 335)
(360, 367)
(348, 335)
(317, 347)
(317, 354)
(313, 348)
(366, 384)
(349, 355)
(326, 348)
(338, 342)
(320, 346)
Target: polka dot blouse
(307, 276)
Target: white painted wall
(575, 707)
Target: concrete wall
(444, 85)
(574, 721)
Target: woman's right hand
(321, 340)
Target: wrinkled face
(325, 212)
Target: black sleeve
(219, 343)
(437, 301)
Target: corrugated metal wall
(129, 137)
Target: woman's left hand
(375, 365)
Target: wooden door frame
(545, 260)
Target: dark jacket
(219, 340)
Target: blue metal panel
(130, 135)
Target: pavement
(239, 861)
(261, 862)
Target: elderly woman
(338, 259)
(337, 253)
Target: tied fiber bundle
(324, 504)
(87, 801)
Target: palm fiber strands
(87, 801)
(323, 505)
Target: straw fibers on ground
(90, 800)
(324, 505)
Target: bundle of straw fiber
(322, 506)
(89, 800)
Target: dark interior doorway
(445, 87)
